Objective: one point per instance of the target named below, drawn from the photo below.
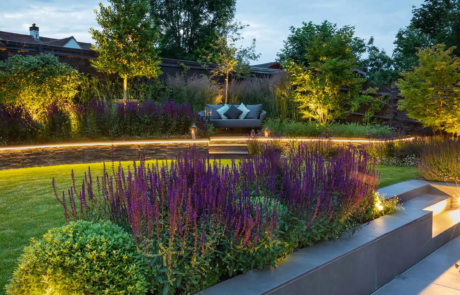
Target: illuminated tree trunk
(125, 88)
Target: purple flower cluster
(194, 213)
(16, 126)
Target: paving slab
(436, 274)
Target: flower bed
(196, 222)
(100, 120)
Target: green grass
(390, 175)
(28, 207)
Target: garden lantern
(253, 133)
(266, 133)
(194, 131)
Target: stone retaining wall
(49, 156)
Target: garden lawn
(28, 207)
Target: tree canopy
(295, 48)
(128, 40)
(188, 28)
(431, 90)
(330, 67)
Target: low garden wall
(49, 155)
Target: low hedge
(80, 258)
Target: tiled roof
(43, 40)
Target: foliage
(102, 120)
(34, 82)
(440, 161)
(127, 44)
(311, 129)
(329, 68)
(273, 93)
(188, 28)
(27, 210)
(408, 42)
(294, 47)
(198, 221)
(108, 89)
(57, 124)
(227, 58)
(401, 153)
(195, 90)
(430, 90)
(379, 67)
(17, 126)
(80, 258)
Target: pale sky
(269, 20)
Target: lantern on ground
(194, 131)
(253, 133)
(266, 133)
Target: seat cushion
(233, 113)
(237, 123)
(255, 111)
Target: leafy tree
(319, 84)
(189, 27)
(379, 66)
(431, 89)
(434, 22)
(35, 82)
(127, 43)
(439, 20)
(294, 47)
(227, 58)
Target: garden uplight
(194, 131)
(266, 132)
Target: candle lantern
(266, 133)
(194, 131)
(253, 133)
(207, 113)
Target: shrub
(34, 82)
(313, 129)
(17, 126)
(80, 258)
(198, 221)
(57, 125)
(440, 161)
(402, 153)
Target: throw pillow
(255, 111)
(245, 111)
(222, 111)
(233, 112)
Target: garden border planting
(367, 260)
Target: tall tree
(227, 58)
(431, 89)
(319, 82)
(295, 46)
(379, 66)
(434, 22)
(187, 28)
(128, 40)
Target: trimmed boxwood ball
(80, 258)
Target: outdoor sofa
(253, 119)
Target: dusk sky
(269, 20)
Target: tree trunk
(125, 88)
(226, 89)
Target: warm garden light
(266, 132)
(194, 131)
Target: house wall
(72, 44)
